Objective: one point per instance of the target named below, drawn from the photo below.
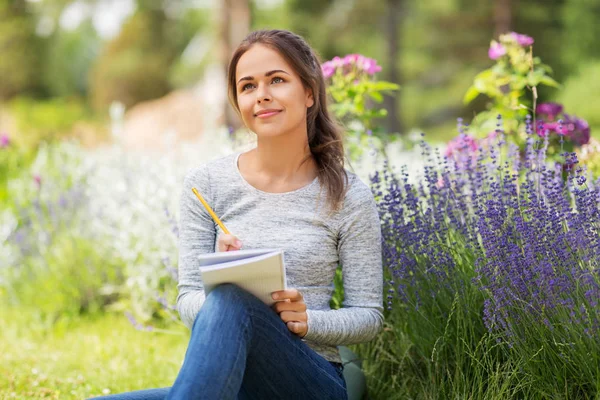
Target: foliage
(99, 228)
(50, 240)
(13, 160)
(506, 84)
(19, 49)
(580, 93)
(68, 57)
(353, 89)
(46, 121)
(135, 65)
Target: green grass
(83, 357)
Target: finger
(291, 294)
(297, 327)
(228, 242)
(292, 316)
(297, 306)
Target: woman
(271, 196)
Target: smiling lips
(267, 113)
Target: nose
(262, 94)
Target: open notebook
(259, 271)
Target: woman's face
(270, 95)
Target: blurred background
(106, 104)
(63, 63)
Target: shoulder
(358, 192)
(210, 170)
(358, 199)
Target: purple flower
(523, 40)
(4, 140)
(550, 110)
(577, 129)
(496, 50)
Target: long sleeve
(359, 248)
(197, 235)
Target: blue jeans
(241, 349)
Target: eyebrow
(249, 78)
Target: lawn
(83, 357)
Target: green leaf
(378, 97)
(382, 85)
(471, 94)
(548, 81)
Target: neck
(281, 159)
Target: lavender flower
(533, 236)
(138, 326)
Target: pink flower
(523, 40)
(543, 129)
(328, 69)
(488, 141)
(576, 129)
(370, 66)
(351, 58)
(496, 50)
(460, 144)
(38, 180)
(348, 63)
(4, 140)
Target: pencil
(210, 211)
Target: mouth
(267, 113)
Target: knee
(225, 297)
(226, 291)
(224, 302)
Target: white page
(226, 256)
(260, 272)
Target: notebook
(258, 271)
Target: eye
(277, 78)
(246, 86)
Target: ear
(310, 101)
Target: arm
(359, 248)
(197, 234)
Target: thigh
(280, 365)
(148, 394)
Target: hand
(292, 310)
(228, 243)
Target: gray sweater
(314, 241)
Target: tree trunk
(234, 25)
(393, 21)
(502, 16)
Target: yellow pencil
(210, 211)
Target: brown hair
(324, 135)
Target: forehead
(260, 59)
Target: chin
(273, 131)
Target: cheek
(246, 108)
